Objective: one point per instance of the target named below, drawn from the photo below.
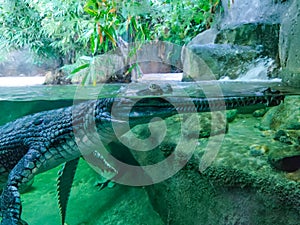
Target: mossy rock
(236, 188)
(222, 195)
(285, 159)
(253, 34)
(284, 117)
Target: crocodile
(36, 143)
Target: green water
(194, 194)
(19, 101)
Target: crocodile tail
(64, 184)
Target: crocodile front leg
(10, 198)
(11, 207)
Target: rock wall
(289, 45)
(23, 63)
(254, 24)
(239, 12)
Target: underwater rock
(237, 188)
(258, 150)
(294, 176)
(283, 137)
(207, 127)
(259, 112)
(223, 195)
(231, 115)
(210, 124)
(285, 159)
(284, 117)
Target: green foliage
(105, 21)
(70, 29)
(21, 26)
(110, 20)
(178, 21)
(49, 28)
(175, 21)
(65, 24)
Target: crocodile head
(140, 110)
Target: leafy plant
(21, 26)
(80, 30)
(111, 20)
(49, 28)
(178, 21)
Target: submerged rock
(209, 125)
(259, 112)
(284, 120)
(231, 115)
(284, 117)
(294, 176)
(258, 150)
(284, 137)
(285, 159)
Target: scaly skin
(36, 143)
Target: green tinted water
(19, 101)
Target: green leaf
(92, 43)
(85, 79)
(96, 44)
(80, 68)
(110, 34)
(91, 7)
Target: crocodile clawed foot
(101, 185)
